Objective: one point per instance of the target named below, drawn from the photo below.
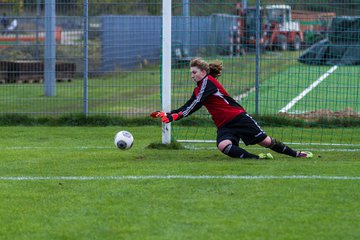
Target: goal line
(288, 143)
(164, 177)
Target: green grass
(167, 208)
(136, 93)
(337, 92)
(127, 93)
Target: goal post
(166, 68)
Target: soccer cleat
(265, 156)
(302, 154)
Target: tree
(15, 6)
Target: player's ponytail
(213, 69)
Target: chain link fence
(278, 56)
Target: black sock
(236, 152)
(279, 147)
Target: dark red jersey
(210, 93)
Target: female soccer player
(231, 119)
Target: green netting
(314, 97)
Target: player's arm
(167, 117)
(207, 88)
(174, 115)
(192, 105)
(186, 105)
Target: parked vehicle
(278, 30)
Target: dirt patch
(324, 113)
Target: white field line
(288, 143)
(166, 177)
(244, 95)
(57, 147)
(336, 147)
(307, 149)
(182, 141)
(307, 90)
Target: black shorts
(242, 127)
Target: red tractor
(278, 31)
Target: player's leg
(280, 147)
(251, 133)
(229, 136)
(228, 148)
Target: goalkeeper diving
(231, 119)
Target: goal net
(263, 47)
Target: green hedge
(82, 120)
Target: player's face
(197, 74)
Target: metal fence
(275, 54)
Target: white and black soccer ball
(124, 140)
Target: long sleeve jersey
(210, 93)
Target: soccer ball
(123, 140)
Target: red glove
(169, 117)
(157, 114)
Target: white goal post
(166, 67)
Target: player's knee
(223, 144)
(268, 142)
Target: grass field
(72, 183)
(281, 78)
(336, 92)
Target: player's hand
(169, 117)
(157, 114)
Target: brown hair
(213, 69)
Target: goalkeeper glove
(169, 117)
(157, 114)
